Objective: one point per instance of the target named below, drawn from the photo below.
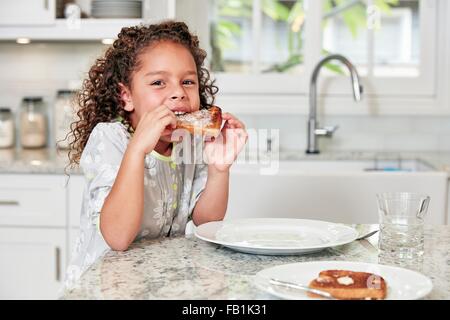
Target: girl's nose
(177, 97)
(178, 94)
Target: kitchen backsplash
(374, 133)
(42, 69)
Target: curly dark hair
(99, 99)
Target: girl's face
(167, 76)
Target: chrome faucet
(313, 130)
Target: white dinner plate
(402, 284)
(276, 236)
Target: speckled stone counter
(189, 268)
(51, 161)
(438, 160)
(42, 161)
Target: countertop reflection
(44, 161)
(190, 268)
(52, 161)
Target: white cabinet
(64, 30)
(19, 18)
(33, 262)
(336, 191)
(32, 200)
(36, 20)
(27, 13)
(35, 232)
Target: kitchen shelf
(88, 30)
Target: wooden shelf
(62, 30)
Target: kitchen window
(272, 46)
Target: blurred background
(261, 53)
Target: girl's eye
(157, 83)
(189, 82)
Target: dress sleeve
(100, 163)
(198, 186)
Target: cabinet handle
(9, 203)
(58, 263)
(46, 4)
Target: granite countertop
(43, 161)
(51, 161)
(438, 160)
(189, 268)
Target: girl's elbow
(115, 240)
(120, 248)
(200, 218)
(119, 245)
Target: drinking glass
(401, 217)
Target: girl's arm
(212, 204)
(220, 155)
(121, 214)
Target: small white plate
(402, 284)
(276, 236)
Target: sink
(332, 166)
(332, 190)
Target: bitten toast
(204, 121)
(344, 284)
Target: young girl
(123, 143)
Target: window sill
(283, 104)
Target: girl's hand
(152, 125)
(223, 150)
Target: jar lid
(32, 99)
(5, 109)
(66, 91)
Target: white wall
(362, 132)
(42, 69)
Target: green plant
(226, 28)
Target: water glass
(401, 217)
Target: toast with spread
(206, 122)
(344, 284)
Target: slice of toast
(344, 284)
(204, 122)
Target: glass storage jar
(33, 123)
(6, 128)
(63, 115)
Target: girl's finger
(163, 111)
(227, 125)
(240, 124)
(155, 115)
(228, 116)
(168, 119)
(234, 120)
(166, 112)
(233, 123)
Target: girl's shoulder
(108, 136)
(114, 128)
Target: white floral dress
(170, 194)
